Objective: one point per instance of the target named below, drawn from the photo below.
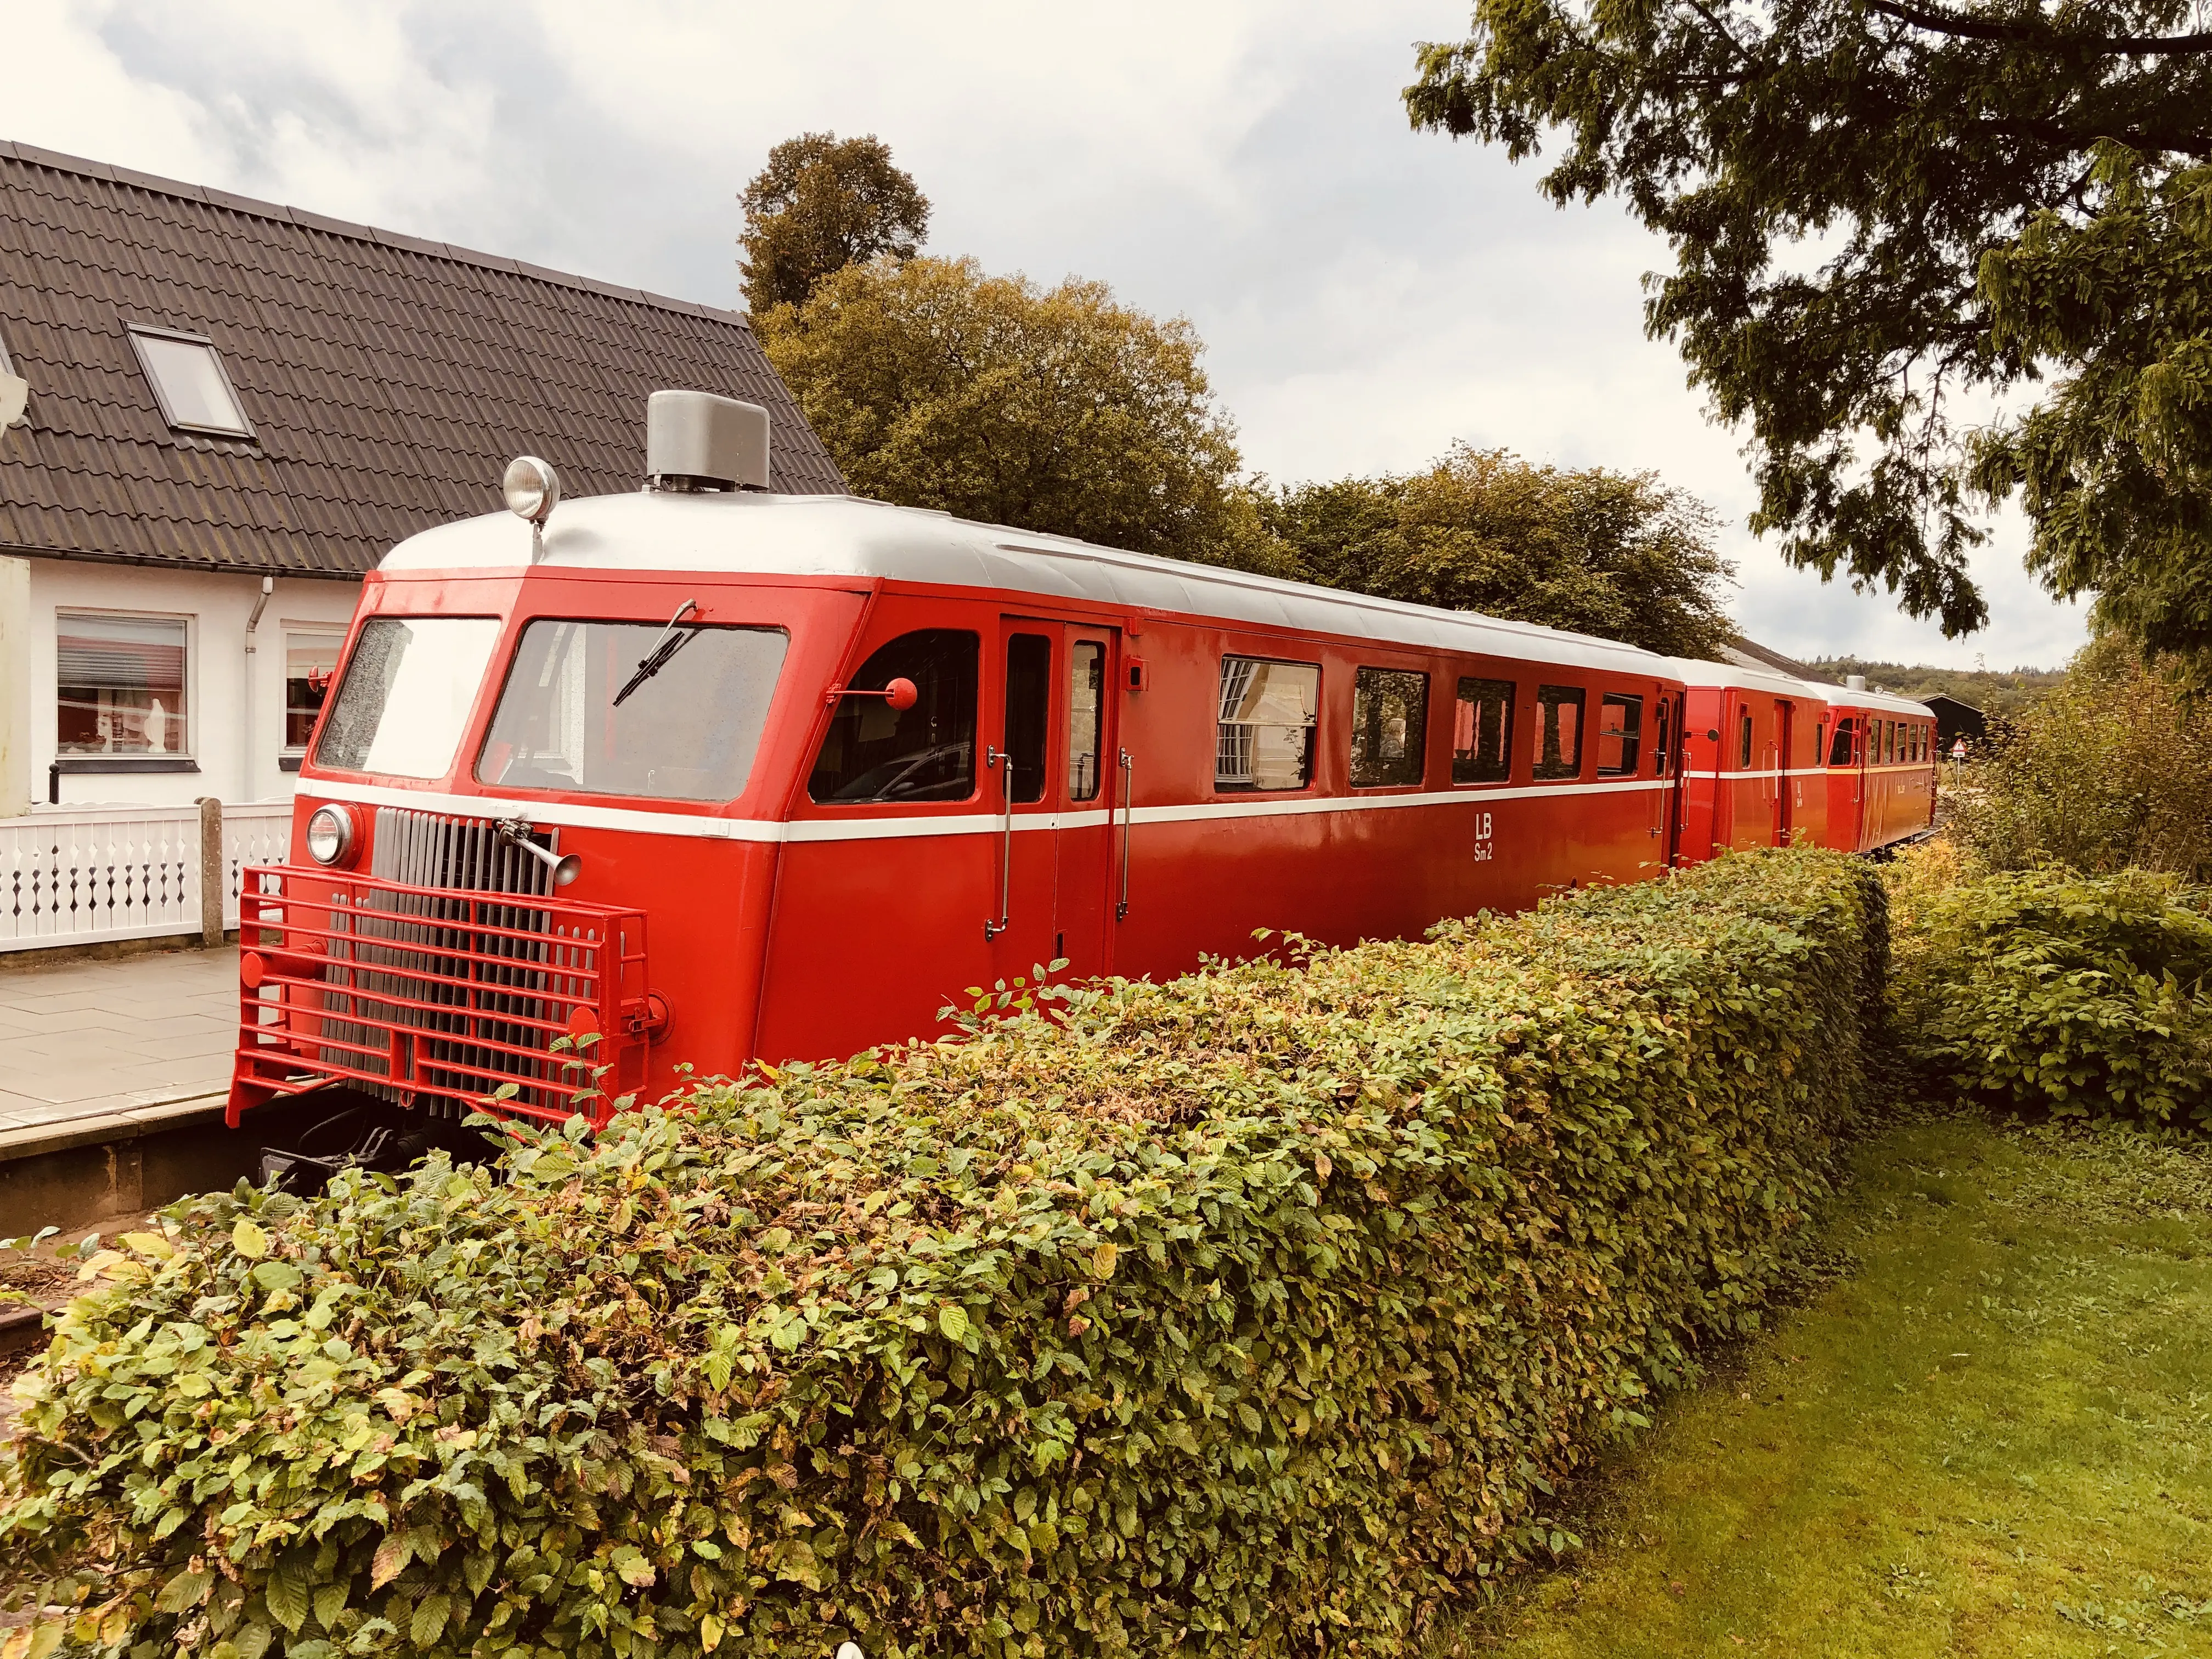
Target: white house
(229, 410)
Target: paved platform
(135, 1038)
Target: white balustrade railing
(259, 834)
(80, 875)
(98, 874)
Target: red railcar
(706, 776)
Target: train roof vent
(695, 440)
(1854, 682)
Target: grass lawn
(1991, 1434)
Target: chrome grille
(428, 849)
(421, 948)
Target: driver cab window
(875, 753)
(1840, 755)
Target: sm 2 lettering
(1482, 843)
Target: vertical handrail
(1003, 763)
(1128, 788)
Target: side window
(1819, 742)
(1839, 753)
(1028, 715)
(1389, 727)
(1888, 741)
(1619, 736)
(120, 686)
(1662, 739)
(874, 752)
(310, 662)
(1558, 731)
(1743, 739)
(1263, 738)
(1086, 717)
(1482, 732)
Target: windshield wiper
(666, 647)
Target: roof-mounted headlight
(533, 489)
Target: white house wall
(216, 607)
(16, 633)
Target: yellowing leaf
(952, 1320)
(151, 1244)
(1103, 1258)
(391, 1560)
(248, 1240)
(710, 1632)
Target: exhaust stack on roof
(1854, 682)
(695, 440)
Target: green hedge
(2079, 995)
(1256, 1312)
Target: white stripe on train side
(706, 827)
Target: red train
(705, 775)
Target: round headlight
(532, 488)
(329, 835)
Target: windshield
(686, 732)
(405, 698)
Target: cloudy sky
(1368, 295)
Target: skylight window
(188, 380)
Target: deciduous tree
(1054, 410)
(820, 204)
(1878, 207)
(1617, 555)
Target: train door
(1670, 760)
(1785, 714)
(1052, 788)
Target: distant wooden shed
(1955, 720)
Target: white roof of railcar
(850, 536)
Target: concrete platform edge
(35, 1140)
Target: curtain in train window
(1839, 753)
(120, 686)
(1482, 732)
(1389, 727)
(1263, 737)
(873, 752)
(1086, 717)
(1619, 736)
(1743, 739)
(1558, 731)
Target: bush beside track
(1257, 1311)
(2050, 991)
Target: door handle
(1004, 765)
(1128, 783)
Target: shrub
(2080, 995)
(1252, 1312)
(2112, 770)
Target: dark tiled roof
(1748, 653)
(389, 380)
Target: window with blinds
(120, 686)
